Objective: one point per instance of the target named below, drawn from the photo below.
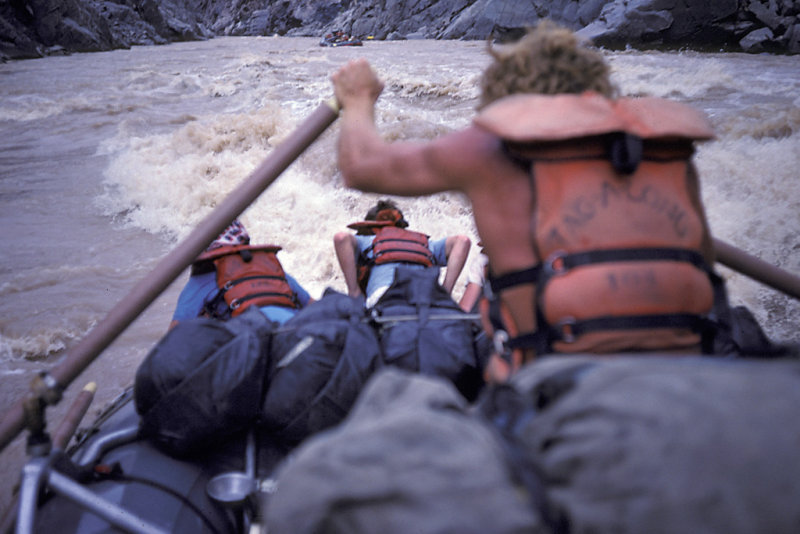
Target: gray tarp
(622, 445)
(408, 459)
(670, 445)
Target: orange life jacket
(618, 226)
(249, 275)
(391, 244)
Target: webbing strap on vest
(236, 303)
(394, 249)
(231, 283)
(424, 259)
(561, 262)
(570, 329)
(515, 278)
(623, 151)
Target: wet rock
(69, 24)
(792, 37)
(589, 11)
(127, 26)
(766, 12)
(259, 23)
(32, 28)
(756, 41)
(479, 20)
(697, 20)
(15, 42)
(665, 22)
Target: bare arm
(476, 278)
(456, 250)
(346, 248)
(370, 164)
(471, 295)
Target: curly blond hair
(549, 59)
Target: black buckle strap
(232, 283)
(414, 252)
(569, 329)
(625, 152)
(515, 278)
(236, 303)
(560, 262)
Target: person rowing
(587, 203)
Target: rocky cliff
(35, 28)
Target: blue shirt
(383, 275)
(203, 287)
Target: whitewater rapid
(108, 159)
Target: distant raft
(339, 38)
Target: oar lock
(45, 390)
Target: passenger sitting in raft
(232, 275)
(381, 244)
(588, 205)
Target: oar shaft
(171, 266)
(757, 269)
(187, 251)
(74, 416)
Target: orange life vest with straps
(247, 275)
(391, 244)
(618, 226)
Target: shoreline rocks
(37, 28)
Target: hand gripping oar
(757, 269)
(50, 385)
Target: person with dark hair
(587, 204)
(231, 275)
(382, 244)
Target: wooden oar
(170, 267)
(757, 269)
(74, 416)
